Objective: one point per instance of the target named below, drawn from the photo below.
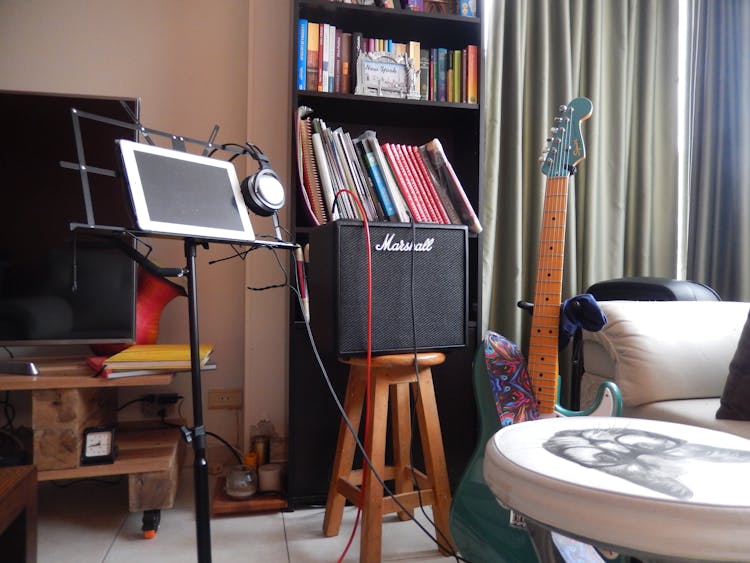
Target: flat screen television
(57, 287)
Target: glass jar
(242, 482)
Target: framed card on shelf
(385, 74)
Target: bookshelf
(313, 417)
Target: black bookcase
(313, 416)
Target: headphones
(262, 191)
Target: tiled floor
(88, 522)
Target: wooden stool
(433, 488)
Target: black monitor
(56, 286)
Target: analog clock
(98, 445)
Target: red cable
(365, 474)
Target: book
(402, 211)
(321, 55)
(96, 363)
(416, 189)
(429, 188)
(301, 54)
(467, 8)
(377, 178)
(359, 174)
(350, 173)
(416, 209)
(336, 168)
(447, 176)
(433, 74)
(337, 60)
(325, 47)
(346, 60)
(445, 199)
(441, 74)
(472, 73)
(356, 49)
(311, 191)
(449, 77)
(331, 58)
(457, 74)
(325, 176)
(157, 356)
(424, 74)
(311, 77)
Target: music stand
(151, 184)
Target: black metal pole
(200, 465)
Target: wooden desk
(18, 514)
(66, 398)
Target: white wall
(193, 64)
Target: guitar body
(484, 531)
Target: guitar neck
(543, 343)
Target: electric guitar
(509, 390)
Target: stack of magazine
(392, 182)
(149, 359)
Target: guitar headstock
(566, 149)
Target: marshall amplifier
(419, 287)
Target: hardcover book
(311, 79)
(447, 176)
(157, 356)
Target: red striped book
(416, 159)
(410, 173)
(418, 213)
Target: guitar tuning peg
(564, 108)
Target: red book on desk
(100, 370)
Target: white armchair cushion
(664, 350)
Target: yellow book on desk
(157, 356)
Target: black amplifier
(419, 287)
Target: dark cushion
(735, 400)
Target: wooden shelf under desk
(139, 451)
(66, 398)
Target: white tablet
(184, 194)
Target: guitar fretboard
(543, 343)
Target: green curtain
(623, 204)
(719, 147)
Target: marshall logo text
(402, 246)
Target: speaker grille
(419, 286)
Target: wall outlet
(225, 399)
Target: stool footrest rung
(408, 500)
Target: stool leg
(434, 458)
(345, 446)
(401, 428)
(372, 509)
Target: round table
(642, 487)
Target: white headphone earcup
(263, 192)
